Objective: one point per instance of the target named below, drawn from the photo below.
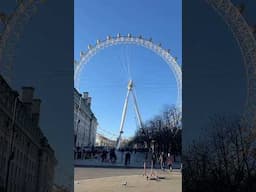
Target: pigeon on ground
(124, 183)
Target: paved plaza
(113, 180)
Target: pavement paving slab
(134, 183)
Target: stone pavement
(135, 183)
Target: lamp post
(145, 152)
(145, 158)
(153, 159)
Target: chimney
(27, 97)
(27, 94)
(36, 111)
(85, 95)
(89, 100)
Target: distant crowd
(161, 160)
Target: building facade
(104, 141)
(85, 122)
(27, 161)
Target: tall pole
(129, 89)
(137, 110)
(124, 113)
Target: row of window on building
(27, 161)
(85, 122)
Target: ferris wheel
(245, 37)
(11, 28)
(130, 40)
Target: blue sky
(105, 77)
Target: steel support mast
(129, 90)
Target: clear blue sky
(105, 77)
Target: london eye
(157, 49)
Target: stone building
(104, 141)
(85, 122)
(27, 161)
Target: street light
(143, 133)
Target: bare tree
(164, 130)
(225, 160)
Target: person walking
(164, 160)
(170, 161)
(153, 164)
(122, 155)
(145, 163)
(112, 155)
(154, 159)
(128, 157)
(161, 160)
(104, 156)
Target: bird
(124, 183)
